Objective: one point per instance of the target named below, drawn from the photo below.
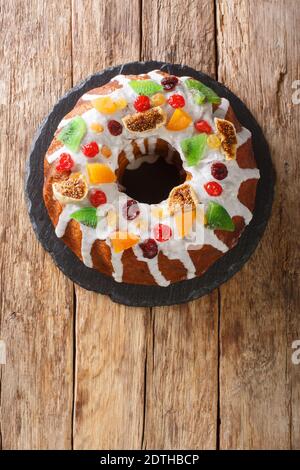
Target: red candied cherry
(176, 101)
(114, 127)
(219, 171)
(213, 188)
(131, 209)
(203, 126)
(169, 83)
(162, 232)
(97, 197)
(149, 248)
(142, 103)
(65, 162)
(90, 150)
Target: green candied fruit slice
(73, 133)
(209, 94)
(86, 216)
(145, 87)
(198, 97)
(218, 217)
(193, 148)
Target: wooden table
(82, 372)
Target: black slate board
(135, 295)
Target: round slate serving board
(136, 295)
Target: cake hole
(151, 177)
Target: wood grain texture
(259, 385)
(36, 298)
(110, 339)
(136, 378)
(182, 351)
(182, 375)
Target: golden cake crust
(134, 270)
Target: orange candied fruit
(158, 99)
(100, 173)
(121, 240)
(96, 127)
(179, 120)
(105, 151)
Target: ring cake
(133, 122)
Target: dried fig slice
(73, 189)
(182, 197)
(227, 135)
(145, 121)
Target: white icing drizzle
(153, 267)
(180, 254)
(201, 174)
(89, 236)
(222, 109)
(135, 164)
(243, 136)
(116, 261)
(64, 219)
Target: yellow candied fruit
(157, 212)
(105, 151)
(112, 219)
(96, 127)
(158, 99)
(105, 105)
(213, 141)
(179, 120)
(121, 103)
(100, 173)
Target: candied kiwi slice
(193, 148)
(145, 87)
(218, 218)
(86, 216)
(73, 133)
(209, 94)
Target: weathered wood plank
(110, 339)
(36, 298)
(182, 348)
(260, 402)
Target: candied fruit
(131, 210)
(179, 120)
(142, 103)
(162, 232)
(149, 248)
(121, 241)
(96, 127)
(65, 162)
(105, 105)
(176, 101)
(90, 150)
(121, 103)
(97, 197)
(213, 188)
(219, 170)
(106, 151)
(158, 99)
(114, 127)
(100, 173)
(213, 141)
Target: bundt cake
(121, 132)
